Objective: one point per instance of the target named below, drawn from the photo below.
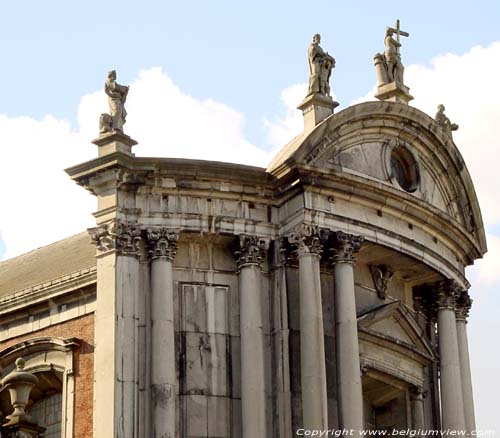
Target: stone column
(251, 252)
(462, 312)
(118, 244)
(350, 391)
(162, 245)
(417, 409)
(452, 406)
(307, 240)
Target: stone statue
(320, 68)
(117, 95)
(443, 121)
(388, 65)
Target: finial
(20, 363)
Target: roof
(47, 263)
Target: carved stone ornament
(345, 247)
(162, 242)
(308, 239)
(444, 122)
(463, 305)
(447, 292)
(250, 250)
(388, 64)
(381, 275)
(117, 235)
(321, 64)
(117, 95)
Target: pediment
(394, 146)
(393, 323)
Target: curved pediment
(397, 146)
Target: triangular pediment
(395, 323)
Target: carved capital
(345, 247)
(162, 243)
(117, 235)
(418, 393)
(307, 239)
(381, 275)
(446, 293)
(463, 305)
(250, 250)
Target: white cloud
(486, 271)
(39, 202)
(281, 130)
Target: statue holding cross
(389, 65)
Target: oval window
(404, 169)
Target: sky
(236, 71)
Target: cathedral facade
(326, 292)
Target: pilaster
(118, 246)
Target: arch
(47, 356)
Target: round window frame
(408, 159)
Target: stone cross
(399, 32)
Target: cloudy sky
(235, 71)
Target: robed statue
(117, 95)
(320, 68)
(444, 122)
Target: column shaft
(348, 364)
(312, 347)
(452, 407)
(253, 393)
(463, 351)
(417, 410)
(163, 376)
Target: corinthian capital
(250, 250)
(345, 247)
(446, 292)
(308, 239)
(463, 305)
(117, 235)
(162, 242)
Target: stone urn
(19, 383)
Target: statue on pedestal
(117, 95)
(320, 68)
(388, 65)
(443, 121)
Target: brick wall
(83, 362)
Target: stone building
(220, 300)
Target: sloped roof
(47, 263)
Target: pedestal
(394, 92)
(114, 141)
(316, 108)
(22, 429)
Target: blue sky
(237, 70)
